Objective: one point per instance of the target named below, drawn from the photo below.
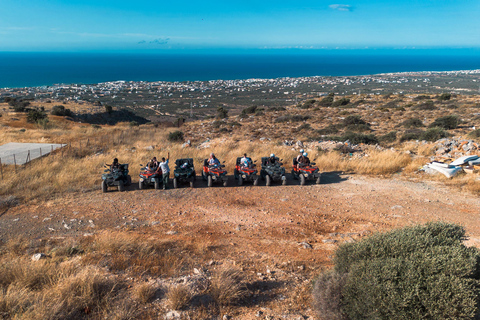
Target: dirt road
(282, 235)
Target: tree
(108, 109)
(222, 113)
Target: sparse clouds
(158, 41)
(341, 7)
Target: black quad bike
(150, 178)
(273, 171)
(116, 177)
(244, 173)
(215, 173)
(184, 172)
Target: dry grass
(144, 292)
(178, 297)
(227, 286)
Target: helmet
(302, 151)
(305, 154)
(115, 160)
(272, 155)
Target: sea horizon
(35, 69)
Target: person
(152, 165)
(165, 171)
(213, 161)
(300, 155)
(272, 160)
(115, 165)
(303, 160)
(245, 161)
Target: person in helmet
(303, 160)
(300, 155)
(272, 159)
(115, 165)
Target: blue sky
(53, 25)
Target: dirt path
(282, 235)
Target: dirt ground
(281, 236)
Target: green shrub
(434, 134)
(341, 102)
(249, 110)
(445, 96)
(420, 272)
(421, 97)
(304, 126)
(35, 115)
(134, 124)
(389, 137)
(412, 123)
(331, 129)
(447, 122)
(328, 100)
(61, 111)
(427, 105)
(414, 134)
(276, 109)
(474, 133)
(292, 118)
(356, 138)
(355, 123)
(222, 113)
(175, 136)
(307, 104)
(108, 109)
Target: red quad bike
(305, 172)
(150, 178)
(216, 173)
(242, 173)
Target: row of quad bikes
(184, 173)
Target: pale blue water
(38, 69)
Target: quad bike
(184, 172)
(245, 173)
(273, 171)
(149, 178)
(117, 177)
(305, 172)
(215, 173)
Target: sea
(32, 69)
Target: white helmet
(305, 154)
(302, 151)
(272, 155)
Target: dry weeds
(227, 286)
(178, 297)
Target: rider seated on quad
(246, 161)
(303, 160)
(152, 165)
(272, 160)
(213, 161)
(115, 165)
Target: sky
(145, 25)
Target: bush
(421, 97)
(434, 134)
(331, 129)
(355, 123)
(415, 134)
(175, 136)
(474, 134)
(427, 105)
(389, 137)
(249, 110)
(327, 296)
(420, 272)
(134, 124)
(328, 100)
(276, 109)
(445, 96)
(341, 102)
(222, 113)
(447, 122)
(292, 118)
(356, 138)
(61, 111)
(412, 123)
(304, 126)
(307, 104)
(108, 109)
(35, 115)
(227, 286)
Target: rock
(38, 256)
(299, 144)
(306, 245)
(173, 315)
(172, 232)
(329, 241)
(150, 148)
(226, 317)
(263, 139)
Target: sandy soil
(281, 236)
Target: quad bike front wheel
(302, 180)
(255, 182)
(284, 182)
(140, 185)
(225, 183)
(129, 180)
(104, 186)
(175, 183)
(209, 181)
(269, 180)
(192, 182)
(121, 186)
(157, 184)
(240, 180)
(317, 181)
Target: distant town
(199, 98)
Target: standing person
(165, 171)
